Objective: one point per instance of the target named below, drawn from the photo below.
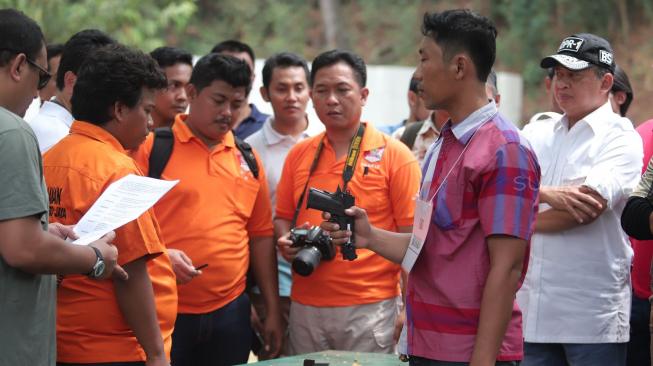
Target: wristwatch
(99, 266)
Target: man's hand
(182, 266)
(288, 251)
(62, 231)
(340, 237)
(110, 257)
(583, 203)
(273, 335)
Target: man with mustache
(359, 297)
(217, 217)
(177, 64)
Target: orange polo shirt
(90, 325)
(385, 183)
(210, 215)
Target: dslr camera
(316, 245)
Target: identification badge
(421, 222)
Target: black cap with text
(579, 51)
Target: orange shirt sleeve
(404, 182)
(260, 223)
(285, 189)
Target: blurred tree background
(382, 31)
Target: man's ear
(119, 110)
(69, 80)
(191, 92)
(460, 66)
(264, 94)
(364, 94)
(606, 82)
(16, 67)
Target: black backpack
(410, 133)
(162, 150)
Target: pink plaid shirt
(491, 190)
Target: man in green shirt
(30, 255)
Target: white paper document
(123, 201)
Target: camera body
(335, 204)
(316, 246)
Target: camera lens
(306, 261)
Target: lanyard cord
(430, 199)
(347, 173)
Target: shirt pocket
(447, 209)
(245, 191)
(372, 192)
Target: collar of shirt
(57, 111)
(272, 137)
(182, 132)
(596, 119)
(464, 130)
(97, 133)
(427, 126)
(372, 138)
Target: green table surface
(338, 358)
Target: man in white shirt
(53, 121)
(576, 295)
(285, 86)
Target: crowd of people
(476, 243)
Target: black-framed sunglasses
(44, 75)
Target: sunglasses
(44, 75)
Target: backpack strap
(410, 134)
(161, 151)
(246, 150)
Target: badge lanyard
(347, 173)
(424, 208)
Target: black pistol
(335, 204)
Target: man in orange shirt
(118, 322)
(346, 305)
(219, 215)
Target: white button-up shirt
(50, 125)
(577, 289)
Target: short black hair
(170, 56)
(232, 45)
(77, 49)
(283, 60)
(54, 50)
(333, 57)
(18, 34)
(113, 73)
(216, 66)
(463, 30)
(622, 83)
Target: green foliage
(138, 23)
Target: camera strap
(347, 173)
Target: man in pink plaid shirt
(475, 214)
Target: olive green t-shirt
(27, 301)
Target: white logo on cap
(605, 57)
(572, 44)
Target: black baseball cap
(580, 51)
